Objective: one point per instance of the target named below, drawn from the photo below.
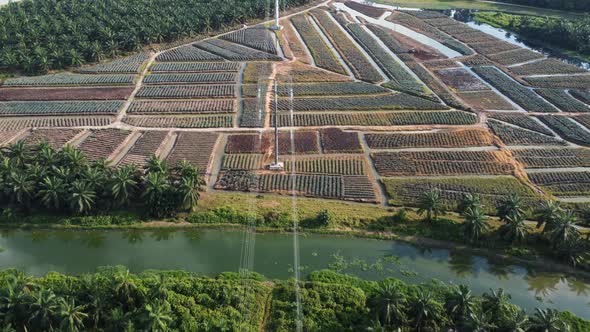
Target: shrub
(324, 218)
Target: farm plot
(583, 119)
(515, 56)
(392, 69)
(460, 80)
(546, 67)
(321, 53)
(400, 101)
(356, 60)
(583, 96)
(493, 47)
(328, 186)
(327, 165)
(7, 136)
(562, 100)
(377, 119)
(581, 82)
(553, 158)
(194, 78)
(186, 91)
(563, 183)
(144, 107)
(193, 121)
(301, 73)
(187, 54)
(257, 71)
(102, 143)
(477, 61)
(43, 108)
(522, 120)
(144, 147)
(524, 97)
(56, 138)
(358, 188)
(130, 64)
(518, 136)
(253, 113)
(258, 37)
(406, 192)
(195, 148)
(439, 89)
(242, 162)
(57, 94)
(441, 64)
(435, 163)
(440, 139)
(567, 129)
(8, 124)
(470, 36)
(235, 52)
(194, 67)
(388, 39)
(486, 100)
(330, 89)
(70, 80)
(335, 140)
(368, 10)
(302, 142)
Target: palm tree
(460, 304)
(125, 286)
(426, 312)
(547, 320)
(20, 187)
(155, 165)
(72, 316)
(52, 192)
(475, 224)
(391, 303)
(43, 308)
(189, 189)
(156, 191)
(18, 153)
(516, 321)
(495, 302)
(481, 321)
(548, 215)
(564, 229)
(157, 316)
(81, 197)
(123, 184)
(515, 229)
(13, 298)
(573, 252)
(472, 201)
(430, 203)
(510, 206)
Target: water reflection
(38, 236)
(134, 236)
(577, 286)
(65, 236)
(542, 285)
(461, 264)
(163, 234)
(193, 235)
(93, 239)
(500, 269)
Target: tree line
(113, 299)
(36, 178)
(572, 5)
(558, 227)
(41, 35)
(568, 34)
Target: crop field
(62, 94)
(213, 106)
(102, 143)
(553, 158)
(56, 138)
(491, 190)
(195, 148)
(568, 129)
(59, 108)
(358, 102)
(441, 163)
(563, 183)
(144, 147)
(440, 139)
(452, 118)
(512, 135)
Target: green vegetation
(571, 35)
(41, 35)
(113, 299)
(39, 178)
(560, 4)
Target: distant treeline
(554, 4)
(41, 35)
(571, 35)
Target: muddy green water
(213, 251)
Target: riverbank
(273, 214)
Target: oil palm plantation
(547, 320)
(515, 229)
(390, 303)
(475, 225)
(431, 204)
(548, 215)
(72, 316)
(512, 205)
(564, 229)
(460, 305)
(426, 313)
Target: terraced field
(364, 113)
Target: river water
(210, 252)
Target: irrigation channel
(210, 252)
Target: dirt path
(123, 112)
